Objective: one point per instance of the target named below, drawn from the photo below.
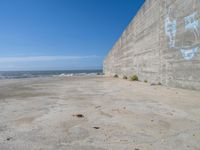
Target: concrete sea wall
(160, 45)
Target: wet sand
(97, 113)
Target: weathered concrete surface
(160, 45)
(39, 114)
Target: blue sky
(61, 34)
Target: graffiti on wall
(188, 54)
(192, 24)
(189, 46)
(170, 31)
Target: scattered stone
(96, 128)
(137, 149)
(169, 113)
(98, 107)
(155, 84)
(9, 138)
(152, 84)
(79, 115)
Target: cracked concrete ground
(97, 113)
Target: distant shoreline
(36, 74)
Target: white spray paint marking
(170, 31)
(188, 54)
(192, 24)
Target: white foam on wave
(65, 75)
(76, 74)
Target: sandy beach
(96, 113)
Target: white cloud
(43, 58)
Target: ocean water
(35, 74)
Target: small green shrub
(115, 76)
(134, 78)
(145, 81)
(125, 77)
